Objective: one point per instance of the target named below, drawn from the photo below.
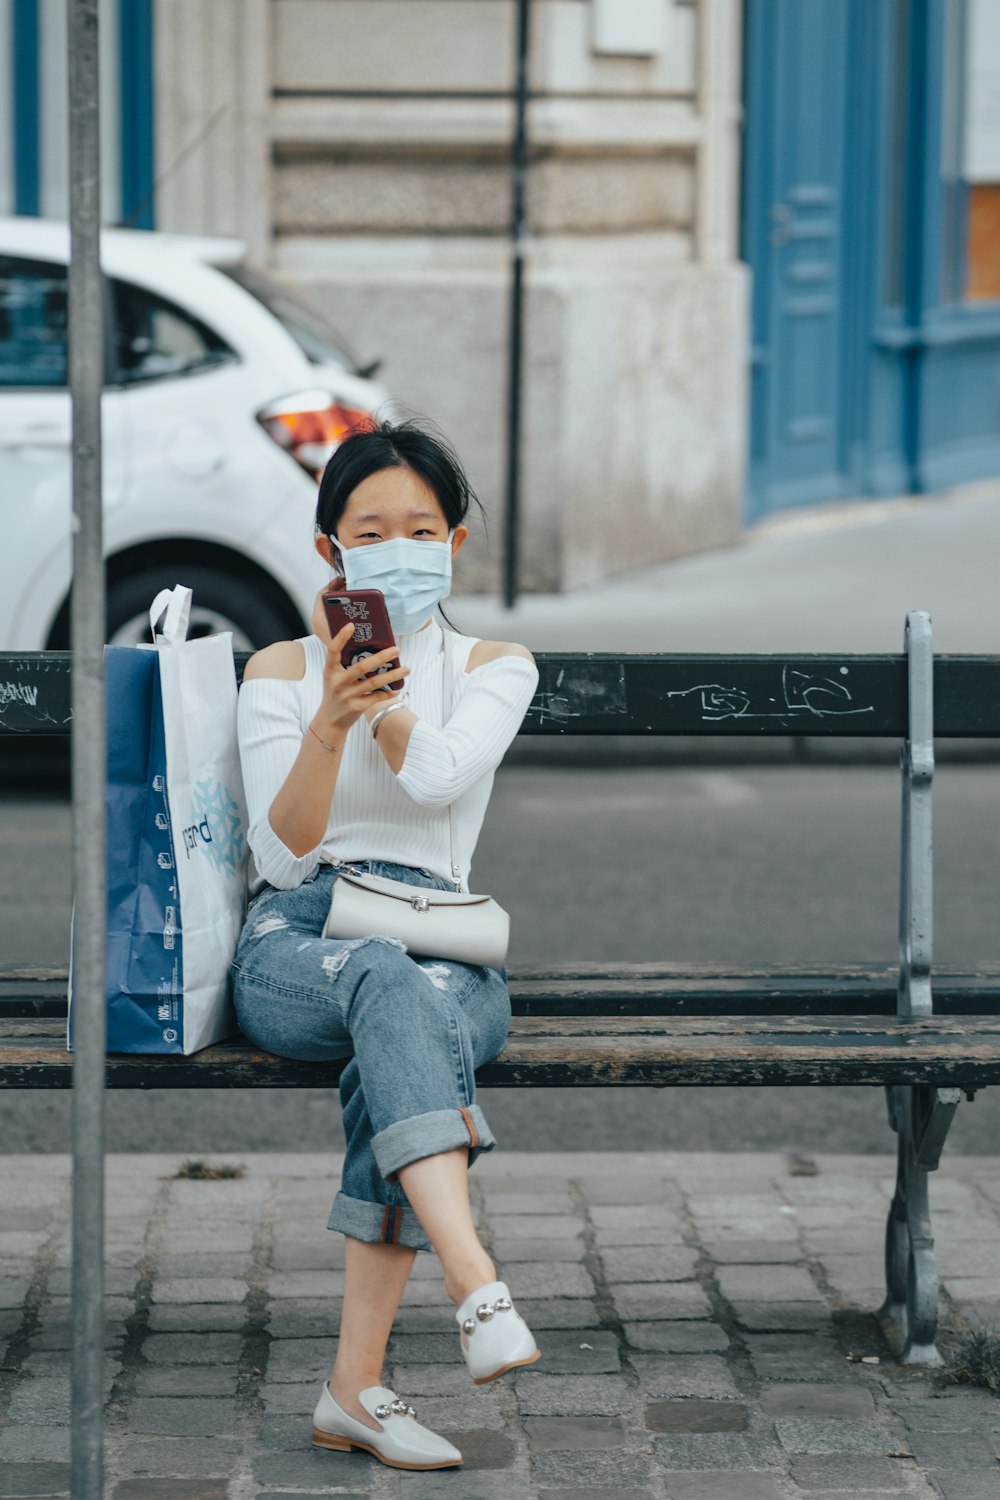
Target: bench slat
(574, 1050)
(683, 991)
(652, 989)
(668, 694)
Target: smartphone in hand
(365, 610)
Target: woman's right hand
(347, 691)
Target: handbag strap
(447, 694)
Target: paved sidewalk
(825, 578)
(836, 578)
(696, 1314)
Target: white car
(224, 395)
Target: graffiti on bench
(802, 694)
(23, 710)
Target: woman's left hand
(318, 617)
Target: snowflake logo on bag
(217, 827)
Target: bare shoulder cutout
(484, 651)
(285, 660)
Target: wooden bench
(667, 1024)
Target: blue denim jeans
(414, 1030)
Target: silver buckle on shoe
(397, 1408)
(420, 903)
(484, 1313)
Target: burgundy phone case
(365, 610)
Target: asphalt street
(757, 864)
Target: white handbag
(433, 924)
(454, 924)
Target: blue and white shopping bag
(176, 837)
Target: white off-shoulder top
(376, 814)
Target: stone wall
(362, 147)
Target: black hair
(393, 445)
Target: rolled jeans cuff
(377, 1223)
(429, 1134)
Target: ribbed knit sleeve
(441, 764)
(374, 814)
(270, 735)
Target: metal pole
(515, 354)
(86, 361)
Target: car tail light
(310, 426)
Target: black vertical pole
(515, 349)
(86, 359)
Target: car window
(33, 322)
(155, 340)
(303, 322)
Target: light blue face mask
(413, 575)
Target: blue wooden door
(796, 183)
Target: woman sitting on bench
(337, 776)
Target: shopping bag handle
(169, 614)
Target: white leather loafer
(497, 1338)
(401, 1443)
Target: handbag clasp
(420, 903)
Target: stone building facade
(362, 149)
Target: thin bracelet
(323, 742)
(400, 696)
(375, 721)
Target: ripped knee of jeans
(332, 963)
(273, 923)
(438, 974)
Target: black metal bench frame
(673, 1024)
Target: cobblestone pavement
(697, 1315)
